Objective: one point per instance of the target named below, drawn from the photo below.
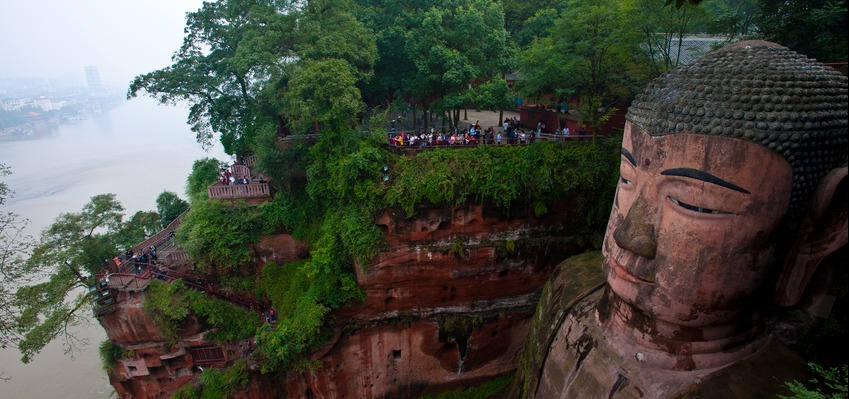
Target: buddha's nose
(637, 232)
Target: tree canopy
(14, 245)
(169, 206)
(72, 249)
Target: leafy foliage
(816, 28)
(188, 391)
(536, 177)
(169, 206)
(170, 305)
(486, 390)
(167, 305)
(589, 53)
(14, 244)
(218, 384)
(204, 172)
(324, 92)
(228, 45)
(110, 354)
(141, 225)
(218, 238)
(829, 383)
(68, 252)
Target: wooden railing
(161, 237)
(175, 257)
(236, 191)
(240, 171)
(129, 281)
(250, 160)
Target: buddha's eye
(697, 208)
(625, 181)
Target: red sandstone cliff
(447, 304)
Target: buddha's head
(732, 184)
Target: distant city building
(13, 104)
(44, 103)
(92, 77)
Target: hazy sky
(123, 38)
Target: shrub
(167, 305)
(219, 238)
(170, 304)
(204, 173)
(217, 384)
(829, 383)
(109, 354)
(486, 390)
(228, 321)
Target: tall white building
(92, 77)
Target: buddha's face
(691, 232)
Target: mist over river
(136, 150)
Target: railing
(294, 137)
(206, 355)
(240, 171)
(234, 191)
(162, 236)
(176, 257)
(250, 160)
(129, 281)
(505, 141)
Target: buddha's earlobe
(824, 230)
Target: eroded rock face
(404, 360)
(448, 304)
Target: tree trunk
(465, 114)
(500, 117)
(414, 117)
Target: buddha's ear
(824, 230)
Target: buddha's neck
(664, 345)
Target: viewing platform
(238, 191)
(238, 183)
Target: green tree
(519, 14)
(328, 30)
(169, 206)
(324, 93)
(589, 54)
(453, 43)
(140, 226)
(204, 173)
(495, 95)
(816, 28)
(218, 238)
(70, 250)
(735, 18)
(231, 48)
(663, 30)
(14, 245)
(431, 51)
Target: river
(136, 150)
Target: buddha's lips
(623, 274)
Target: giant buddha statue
(732, 191)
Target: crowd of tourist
(227, 178)
(510, 133)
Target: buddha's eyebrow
(704, 176)
(629, 157)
